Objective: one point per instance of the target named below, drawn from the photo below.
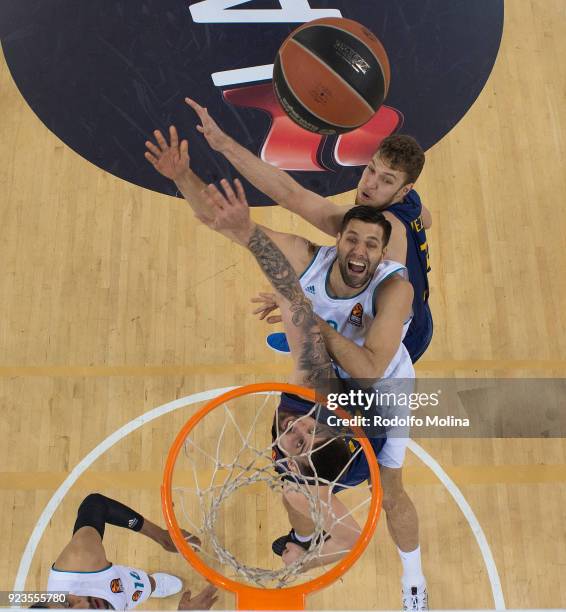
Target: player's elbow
(375, 365)
(370, 371)
(291, 192)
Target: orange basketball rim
(255, 598)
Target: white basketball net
(229, 451)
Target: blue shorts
(358, 471)
(417, 340)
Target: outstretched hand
(203, 601)
(269, 304)
(216, 138)
(171, 159)
(164, 539)
(230, 210)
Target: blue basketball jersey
(418, 265)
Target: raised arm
(278, 185)
(171, 159)
(85, 552)
(313, 366)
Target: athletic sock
(301, 538)
(412, 568)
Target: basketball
(331, 75)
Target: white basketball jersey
(353, 316)
(122, 587)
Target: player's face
(380, 185)
(297, 434)
(360, 250)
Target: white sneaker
(166, 585)
(415, 599)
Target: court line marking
(264, 367)
(125, 430)
(87, 461)
(467, 511)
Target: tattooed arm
(313, 366)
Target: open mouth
(356, 267)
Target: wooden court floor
(115, 301)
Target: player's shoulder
(395, 287)
(408, 209)
(396, 223)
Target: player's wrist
(151, 530)
(244, 234)
(184, 178)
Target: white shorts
(392, 455)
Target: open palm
(169, 159)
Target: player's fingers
(240, 190)
(214, 197)
(150, 158)
(199, 110)
(274, 319)
(194, 105)
(173, 136)
(184, 148)
(151, 147)
(265, 314)
(265, 294)
(160, 140)
(230, 195)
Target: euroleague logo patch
(357, 315)
(136, 595)
(103, 76)
(116, 586)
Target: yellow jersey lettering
(424, 247)
(417, 224)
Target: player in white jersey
(83, 571)
(371, 354)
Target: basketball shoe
(166, 585)
(415, 599)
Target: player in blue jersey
(386, 183)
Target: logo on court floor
(102, 76)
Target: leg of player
(403, 525)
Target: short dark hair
(328, 457)
(368, 214)
(402, 152)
